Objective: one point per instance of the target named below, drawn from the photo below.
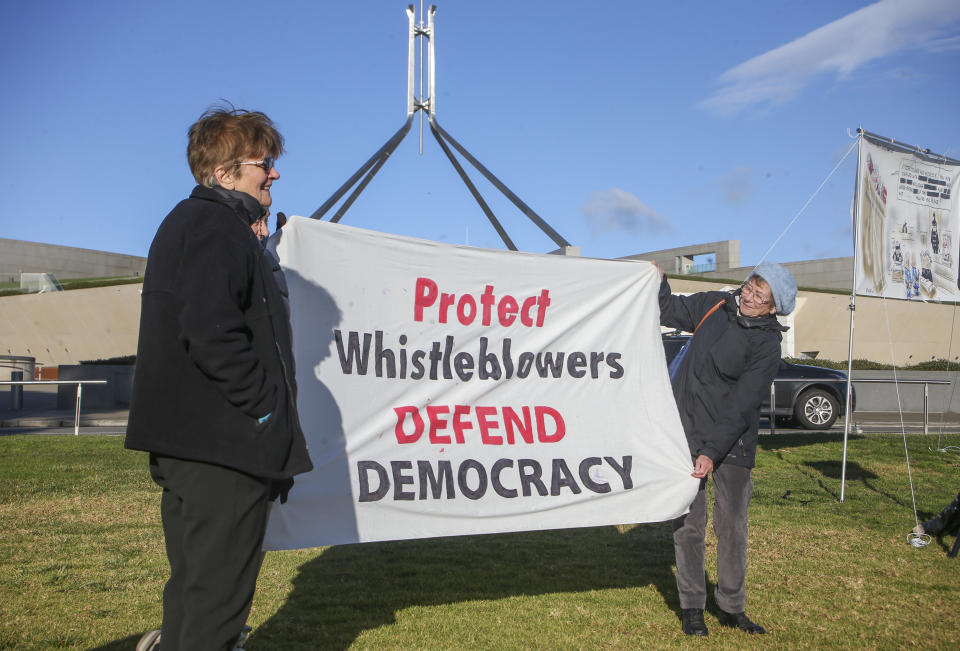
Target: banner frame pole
(853, 309)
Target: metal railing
(79, 383)
(926, 395)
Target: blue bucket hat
(782, 284)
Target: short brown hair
(225, 136)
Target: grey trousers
(733, 488)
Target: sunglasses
(266, 164)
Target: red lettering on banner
(486, 424)
(542, 413)
(532, 311)
(525, 428)
(437, 423)
(402, 412)
(426, 294)
(458, 425)
(546, 422)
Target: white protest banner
(448, 390)
(907, 246)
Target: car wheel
(816, 409)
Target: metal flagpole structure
(362, 177)
(853, 308)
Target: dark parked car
(811, 396)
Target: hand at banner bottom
(702, 467)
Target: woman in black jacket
(719, 384)
(214, 397)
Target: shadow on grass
(777, 441)
(855, 473)
(353, 588)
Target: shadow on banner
(313, 320)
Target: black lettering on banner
(353, 351)
(443, 479)
(469, 493)
(552, 362)
(489, 366)
(595, 359)
(585, 467)
(439, 483)
(612, 362)
(575, 363)
(463, 365)
(499, 488)
(623, 471)
(400, 479)
(530, 473)
(381, 356)
(562, 477)
(383, 484)
(525, 364)
(507, 361)
(417, 360)
(440, 361)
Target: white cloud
(874, 32)
(618, 210)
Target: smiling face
(251, 179)
(756, 299)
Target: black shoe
(693, 623)
(741, 621)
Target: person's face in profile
(255, 177)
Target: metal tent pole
(853, 307)
(497, 183)
(362, 177)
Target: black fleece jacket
(214, 354)
(725, 374)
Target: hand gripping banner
(449, 390)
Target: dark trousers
(732, 489)
(214, 520)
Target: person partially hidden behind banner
(725, 373)
(214, 399)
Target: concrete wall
(64, 261)
(68, 327)
(827, 273)
(673, 261)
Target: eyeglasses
(754, 294)
(266, 164)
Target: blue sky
(629, 126)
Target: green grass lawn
(82, 564)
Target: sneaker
(692, 622)
(149, 642)
(242, 638)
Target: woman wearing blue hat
(725, 373)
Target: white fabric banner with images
(908, 245)
(450, 390)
